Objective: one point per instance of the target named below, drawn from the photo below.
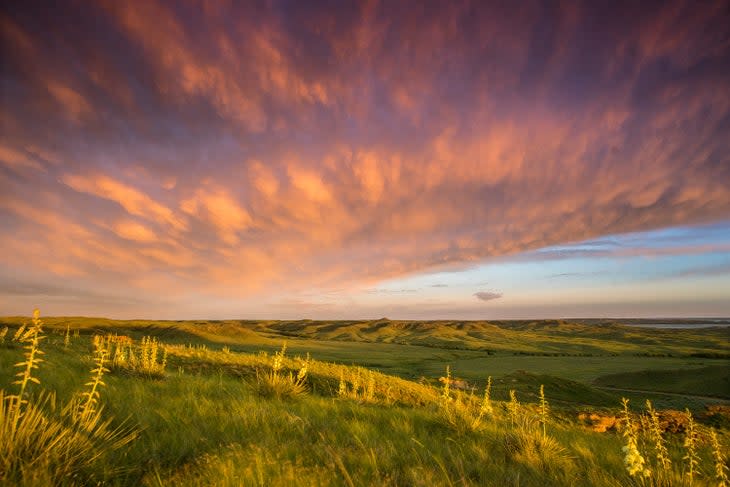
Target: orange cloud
(132, 230)
(218, 207)
(331, 148)
(17, 159)
(134, 201)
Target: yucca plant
(48, 447)
(88, 405)
(342, 387)
(544, 414)
(663, 462)
(690, 445)
(17, 336)
(32, 336)
(718, 456)
(513, 408)
(276, 383)
(42, 445)
(486, 408)
(146, 359)
(464, 412)
(633, 460)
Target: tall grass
(690, 445)
(42, 443)
(718, 455)
(281, 384)
(220, 420)
(146, 358)
(633, 459)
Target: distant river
(679, 326)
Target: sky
(409, 160)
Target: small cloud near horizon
(487, 295)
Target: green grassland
(211, 419)
(421, 350)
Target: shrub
(148, 358)
(279, 384)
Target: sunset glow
(416, 160)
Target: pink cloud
(333, 148)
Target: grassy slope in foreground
(206, 423)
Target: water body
(679, 326)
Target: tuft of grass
(48, 446)
(277, 383)
(541, 453)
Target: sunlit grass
(223, 417)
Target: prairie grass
(690, 445)
(67, 336)
(44, 444)
(663, 464)
(208, 423)
(275, 382)
(146, 358)
(719, 456)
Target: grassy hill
(229, 408)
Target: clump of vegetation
(146, 358)
(541, 453)
(690, 445)
(663, 462)
(359, 385)
(221, 421)
(275, 382)
(544, 411)
(633, 460)
(42, 444)
(461, 411)
(718, 456)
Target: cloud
(487, 295)
(221, 209)
(391, 291)
(722, 269)
(131, 199)
(312, 147)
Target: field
(359, 403)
